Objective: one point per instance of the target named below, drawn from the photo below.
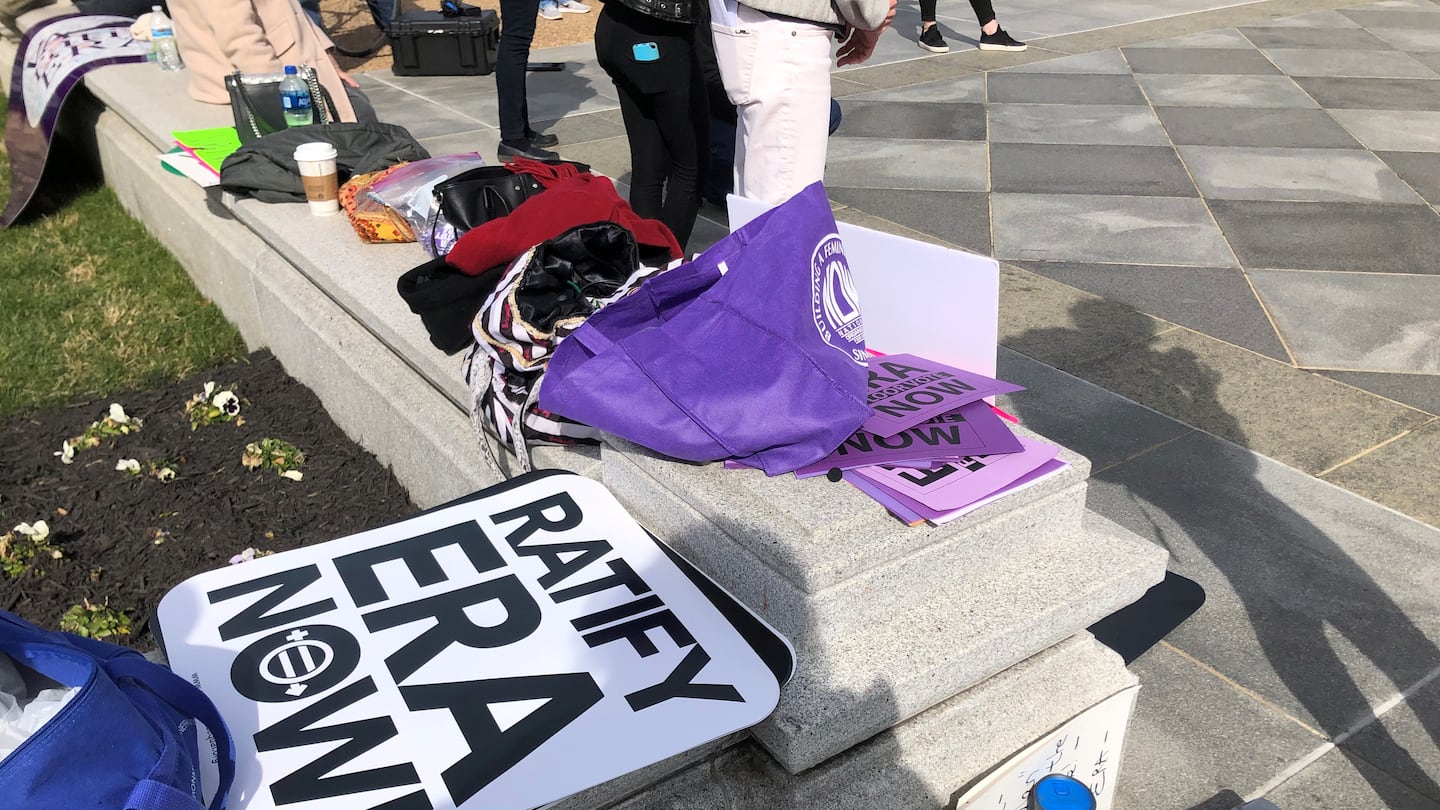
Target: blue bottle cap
(1059, 792)
(290, 70)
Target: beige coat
(218, 37)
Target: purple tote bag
(754, 351)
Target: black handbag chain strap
(326, 105)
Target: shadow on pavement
(1295, 583)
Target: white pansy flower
(117, 413)
(293, 475)
(227, 402)
(66, 453)
(39, 530)
(165, 474)
(129, 465)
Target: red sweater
(578, 200)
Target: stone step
(918, 765)
(816, 533)
(912, 633)
(767, 561)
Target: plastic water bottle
(295, 97)
(162, 38)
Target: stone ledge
(919, 764)
(817, 534)
(960, 612)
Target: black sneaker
(542, 140)
(1000, 41)
(931, 40)
(529, 151)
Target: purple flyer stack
(935, 449)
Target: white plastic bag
(21, 715)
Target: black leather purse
(257, 108)
(472, 198)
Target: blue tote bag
(754, 351)
(126, 741)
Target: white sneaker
(574, 7)
(550, 10)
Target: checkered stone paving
(1301, 156)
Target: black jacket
(266, 170)
(680, 11)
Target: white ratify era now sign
(500, 654)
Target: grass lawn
(90, 303)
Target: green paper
(210, 146)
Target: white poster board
(500, 654)
(916, 298)
(1087, 747)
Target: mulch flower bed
(119, 531)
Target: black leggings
(984, 12)
(517, 29)
(666, 113)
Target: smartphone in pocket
(645, 52)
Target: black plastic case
(428, 43)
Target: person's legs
(682, 116)
(383, 11)
(517, 29)
(930, 38)
(648, 158)
(985, 15)
(992, 36)
(778, 75)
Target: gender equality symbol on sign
(500, 653)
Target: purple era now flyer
(912, 511)
(970, 430)
(952, 486)
(905, 390)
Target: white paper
(190, 166)
(1087, 747)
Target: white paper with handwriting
(1087, 747)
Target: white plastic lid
(317, 150)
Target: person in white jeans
(776, 67)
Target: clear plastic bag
(409, 191)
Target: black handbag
(474, 197)
(257, 108)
